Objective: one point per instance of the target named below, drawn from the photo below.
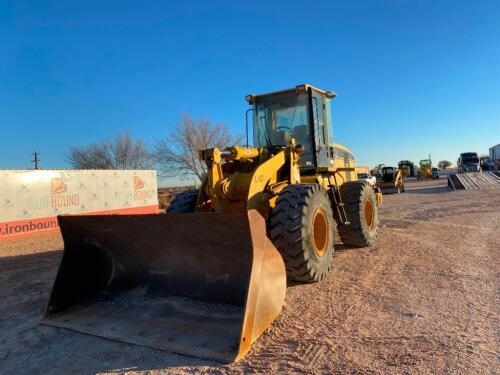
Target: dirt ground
(425, 299)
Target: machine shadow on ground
(340, 247)
(428, 190)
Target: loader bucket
(202, 284)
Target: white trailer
(495, 155)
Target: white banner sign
(30, 200)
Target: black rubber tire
(358, 233)
(183, 202)
(290, 228)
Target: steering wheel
(283, 129)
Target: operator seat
(302, 137)
(280, 138)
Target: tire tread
(183, 202)
(287, 231)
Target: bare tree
(122, 152)
(177, 154)
(443, 164)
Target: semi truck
(468, 162)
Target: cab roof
(299, 88)
(341, 147)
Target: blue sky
(412, 77)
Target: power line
(36, 160)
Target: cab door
(320, 129)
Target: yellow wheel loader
(407, 167)
(377, 169)
(209, 276)
(425, 169)
(391, 180)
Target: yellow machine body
(426, 168)
(241, 178)
(405, 170)
(206, 280)
(391, 180)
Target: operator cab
(302, 113)
(387, 174)
(426, 162)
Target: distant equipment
(425, 169)
(408, 166)
(468, 162)
(391, 180)
(377, 170)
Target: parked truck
(468, 162)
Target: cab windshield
(280, 117)
(470, 157)
(425, 162)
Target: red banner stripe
(27, 227)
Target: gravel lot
(425, 299)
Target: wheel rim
(320, 232)
(369, 214)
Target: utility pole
(36, 160)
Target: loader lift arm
(253, 186)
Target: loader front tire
(183, 202)
(302, 228)
(360, 205)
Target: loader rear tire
(302, 228)
(361, 208)
(183, 202)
